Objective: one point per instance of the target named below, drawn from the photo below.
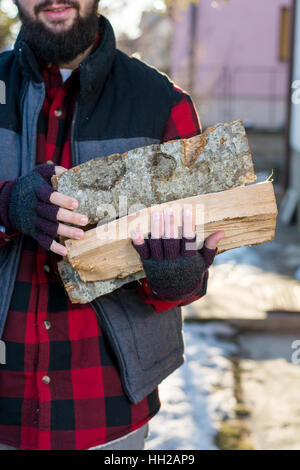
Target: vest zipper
(23, 97)
(75, 156)
(75, 161)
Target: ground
(239, 385)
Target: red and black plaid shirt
(60, 387)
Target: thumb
(212, 241)
(59, 170)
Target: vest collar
(94, 69)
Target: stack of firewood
(209, 173)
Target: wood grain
(247, 215)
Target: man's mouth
(58, 12)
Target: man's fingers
(74, 218)
(62, 200)
(137, 236)
(157, 224)
(64, 215)
(65, 231)
(212, 241)
(59, 170)
(171, 228)
(58, 248)
(188, 223)
(70, 232)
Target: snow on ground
(198, 394)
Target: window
(285, 34)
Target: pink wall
(180, 45)
(241, 35)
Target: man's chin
(58, 26)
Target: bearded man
(84, 376)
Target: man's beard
(61, 46)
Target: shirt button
(46, 380)
(46, 268)
(47, 325)
(58, 112)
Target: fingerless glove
(175, 272)
(24, 205)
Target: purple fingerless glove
(175, 270)
(24, 205)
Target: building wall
(237, 71)
(294, 176)
(295, 112)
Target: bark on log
(81, 292)
(246, 214)
(216, 160)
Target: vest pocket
(138, 329)
(148, 346)
(155, 336)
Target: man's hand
(35, 208)
(173, 266)
(163, 224)
(66, 204)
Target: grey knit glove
(28, 207)
(173, 271)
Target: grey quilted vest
(123, 104)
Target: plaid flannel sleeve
(183, 123)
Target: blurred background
(238, 59)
